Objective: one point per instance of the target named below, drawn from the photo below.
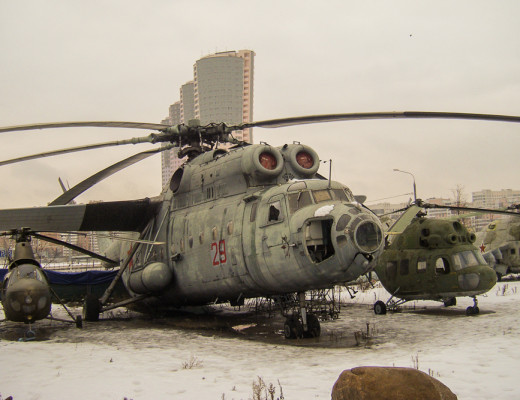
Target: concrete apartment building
(221, 91)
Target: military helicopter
(25, 292)
(432, 259)
(254, 220)
(500, 246)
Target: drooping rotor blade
(479, 210)
(74, 247)
(313, 119)
(144, 139)
(131, 215)
(117, 237)
(72, 193)
(96, 124)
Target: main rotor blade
(72, 193)
(97, 124)
(73, 247)
(313, 119)
(479, 210)
(143, 139)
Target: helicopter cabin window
(299, 200)
(321, 195)
(442, 266)
(421, 266)
(391, 269)
(209, 192)
(275, 211)
(404, 267)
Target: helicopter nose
(364, 232)
(359, 238)
(29, 297)
(482, 279)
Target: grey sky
(125, 60)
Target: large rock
(382, 383)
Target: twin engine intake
(264, 162)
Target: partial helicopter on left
(252, 221)
(25, 292)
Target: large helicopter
(432, 259)
(256, 220)
(500, 246)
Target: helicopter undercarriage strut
(303, 311)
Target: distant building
(494, 199)
(221, 91)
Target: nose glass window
(368, 236)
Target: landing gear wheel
(313, 327)
(292, 328)
(91, 308)
(79, 321)
(30, 335)
(472, 310)
(379, 308)
(450, 302)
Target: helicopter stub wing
(130, 215)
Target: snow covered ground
(201, 357)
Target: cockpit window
(339, 194)
(26, 271)
(466, 259)
(299, 200)
(321, 195)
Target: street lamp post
(413, 177)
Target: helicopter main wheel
(79, 321)
(313, 327)
(292, 328)
(450, 302)
(91, 308)
(472, 310)
(379, 308)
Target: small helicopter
(501, 246)
(25, 292)
(252, 221)
(432, 259)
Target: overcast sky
(126, 59)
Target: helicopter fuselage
(434, 260)
(239, 231)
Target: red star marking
(482, 248)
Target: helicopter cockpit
(25, 271)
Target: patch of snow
(323, 211)
(475, 356)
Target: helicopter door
(442, 269)
(275, 232)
